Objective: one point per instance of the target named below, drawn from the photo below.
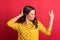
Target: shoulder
(39, 22)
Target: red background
(11, 8)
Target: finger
(51, 11)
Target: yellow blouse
(28, 32)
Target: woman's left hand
(51, 14)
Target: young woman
(28, 26)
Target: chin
(32, 19)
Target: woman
(27, 25)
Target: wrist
(51, 18)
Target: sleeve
(42, 28)
(11, 23)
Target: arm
(12, 22)
(42, 28)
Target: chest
(27, 29)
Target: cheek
(30, 17)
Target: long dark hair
(26, 11)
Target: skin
(31, 16)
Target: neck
(27, 21)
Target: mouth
(32, 17)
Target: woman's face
(31, 15)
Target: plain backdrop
(11, 8)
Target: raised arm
(42, 28)
(12, 22)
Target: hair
(26, 11)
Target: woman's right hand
(21, 13)
(19, 16)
